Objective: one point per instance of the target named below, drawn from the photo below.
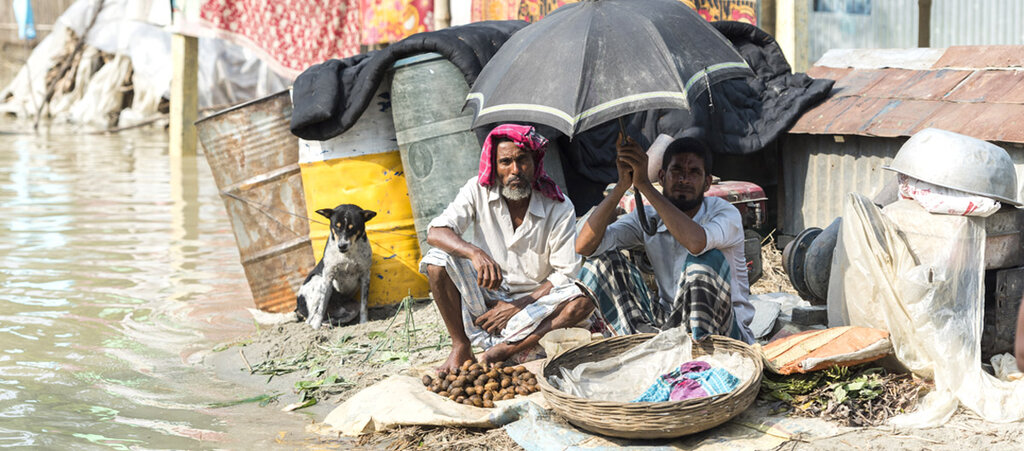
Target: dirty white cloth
(946, 201)
(920, 277)
(474, 301)
(542, 248)
(724, 228)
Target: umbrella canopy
(596, 60)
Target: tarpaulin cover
(330, 97)
(920, 276)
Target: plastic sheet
(920, 277)
(625, 376)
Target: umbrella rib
(713, 68)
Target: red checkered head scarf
(524, 137)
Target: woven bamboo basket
(648, 420)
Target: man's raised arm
(592, 232)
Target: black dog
(331, 289)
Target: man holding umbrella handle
(696, 251)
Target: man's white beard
(515, 194)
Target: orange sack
(819, 349)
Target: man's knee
(436, 273)
(579, 308)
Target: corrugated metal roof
(974, 90)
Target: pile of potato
(479, 385)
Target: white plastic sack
(946, 201)
(403, 400)
(624, 377)
(920, 277)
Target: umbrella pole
(647, 227)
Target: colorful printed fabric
(289, 36)
(393, 20)
(525, 137)
(692, 380)
(534, 10)
(715, 381)
(703, 301)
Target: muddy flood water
(119, 273)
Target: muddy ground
(334, 363)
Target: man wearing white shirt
(513, 281)
(696, 251)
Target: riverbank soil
(291, 364)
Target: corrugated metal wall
(891, 24)
(818, 172)
(977, 22)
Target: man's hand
(625, 170)
(495, 319)
(488, 273)
(630, 154)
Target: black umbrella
(596, 60)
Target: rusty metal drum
(255, 162)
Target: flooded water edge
(119, 271)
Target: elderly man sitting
(513, 282)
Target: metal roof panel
(981, 56)
(990, 86)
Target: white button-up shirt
(724, 229)
(542, 248)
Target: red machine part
(748, 198)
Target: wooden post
(442, 14)
(924, 23)
(184, 94)
(766, 16)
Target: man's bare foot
(458, 355)
(498, 353)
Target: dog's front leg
(316, 317)
(364, 314)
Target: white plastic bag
(920, 277)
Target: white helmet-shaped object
(959, 162)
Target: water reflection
(116, 266)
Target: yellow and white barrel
(363, 167)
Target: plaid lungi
(703, 300)
(474, 300)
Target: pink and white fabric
(946, 201)
(526, 137)
(290, 36)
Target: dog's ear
(326, 212)
(368, 214)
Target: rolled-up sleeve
(624, 233)
(564, 260)
(459, 214)
(724, 228)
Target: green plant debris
(226, 346)
(263, 400)
(397, 342)
(853, 396)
